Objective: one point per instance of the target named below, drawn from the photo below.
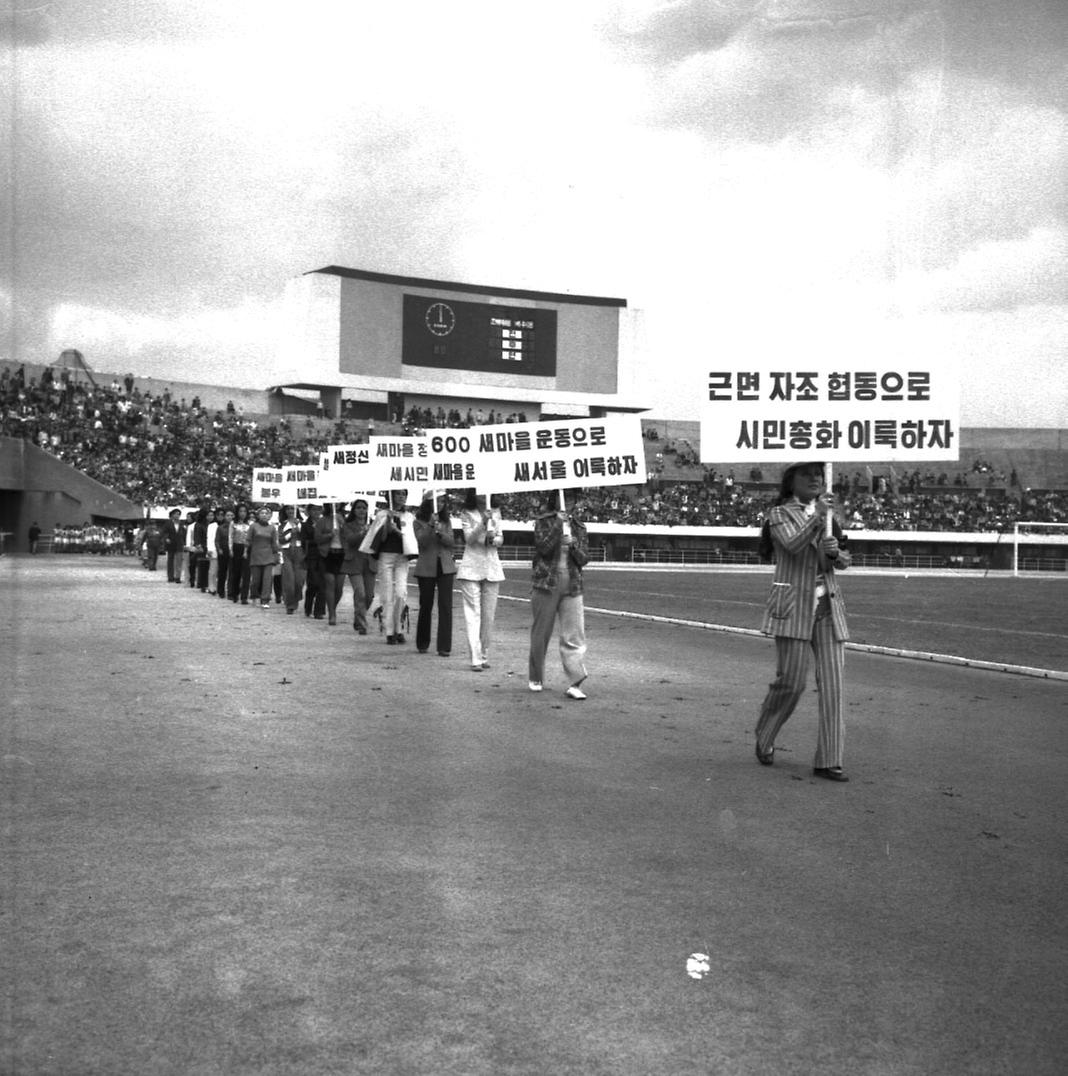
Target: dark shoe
(765, 758)
(361, 631)
(399, 637)
(332, 621)
(830, 773)
(423, 651)
(444, 653)
(291, 611)
(390, 640)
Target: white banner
(559, 455)
(346, 471)
(267, 485)
(399, 463)
(453, 460)
(772, 412)
(294, 484)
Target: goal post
(1053, 535)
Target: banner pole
(830, 489)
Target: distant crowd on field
(155, 449)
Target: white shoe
(534, 685)
(575, 693)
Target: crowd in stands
(156, 450)
(417, 419)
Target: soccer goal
(1044, 547)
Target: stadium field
(242, 842)
(1021, 621)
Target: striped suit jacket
(791, 608)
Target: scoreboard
(486, 337)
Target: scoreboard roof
(474, 289)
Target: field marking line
(867, 648)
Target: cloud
(996, 275)
(26, 27)
(234, 344)
(671, 32)
(768, 71)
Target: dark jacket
(548, 534)
(436, 542)
(173, 536)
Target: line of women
(313, 556)
(307, 558)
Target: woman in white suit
(805, 613)
(480, 575)
(391, 538)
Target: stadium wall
(36, 487)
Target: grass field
(1016, 621)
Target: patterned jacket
(548, 533)
(791, 607)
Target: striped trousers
(791, 675)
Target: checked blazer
(791, 607)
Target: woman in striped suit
(805, 611)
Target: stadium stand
(160, 444)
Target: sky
(755, 177)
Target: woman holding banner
(331, 550)
(804, 611)
(262, 554)
(357, 566)
(391, 538)
(239, 566)
(561, 551)
(435, 571)
(292, 557)
(480, 575)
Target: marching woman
(239, 569)
(262, 555)
(292, 557)
(561, 551)
(357, 566)
(331, 549)
(435, 571)
(805, 611)
(391, 537)
(199, 578)
(480, 575)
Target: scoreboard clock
(440, 319)
(482, 337)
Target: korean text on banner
(294, 484)
(453, 457)
(558, 455)
(399, 463)
(301, 485)
(267, 483)
(774, 412)
(346, 470)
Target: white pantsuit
(480, 575)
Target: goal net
(1039, 547)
